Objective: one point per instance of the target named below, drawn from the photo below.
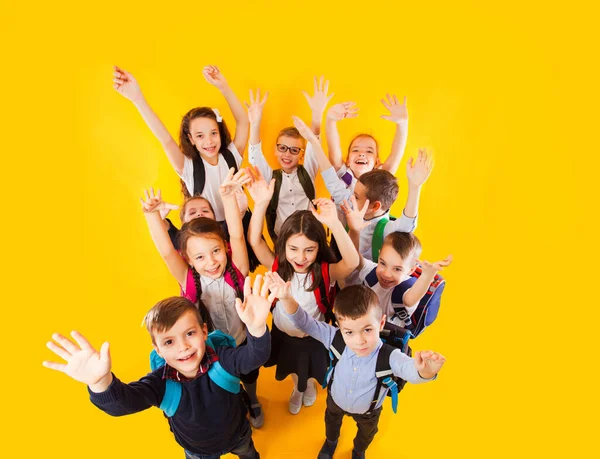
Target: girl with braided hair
(208, 272)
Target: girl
(206, 150)
(207, 272)
(363, 152)
(303, 257)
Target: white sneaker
(295, 403)
(310, 395)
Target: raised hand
(126, 85)
(355, 217)
(428, 363)
(277, 286)
(259, 190)
(304, 130)
(342, 111)
(233, 183)
(256, 106)
(418, 171)
(320, 99)
(213, 75)
(432, 268)
(327, 213)
(84, 363)
(398, 112)
(255, 308)
(154, 203)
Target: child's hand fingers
(265, 98)
(264, 291)
(247, 289)
(65, 343)
(55, 366)
(63, 354)
(257, 283)
(146, 195)
(395, 100)
(385, 104)
(105, 352)
(82, 341)
(239, 307)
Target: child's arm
(334, 114)
(317, 103)
(417, 172)
(261, 193)
(255, 153)
(350, 258)
(413, 295)
(213, 75)
(333, 183)
(399, 116)
(126, 85)
(176, 264)
(86, 365)
(424, 366)
(280, 290)
(228, 189)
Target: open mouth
(386, 283)
(361, 162)
(186, 358)
(300, 266)
(209, 149)
(286, 161)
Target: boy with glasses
(294, 182)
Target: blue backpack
(427, 309)
(216, 373)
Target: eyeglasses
(293, 150)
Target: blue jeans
(244, 448)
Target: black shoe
(357, 455)
(327, 450)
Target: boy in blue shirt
(352, 391)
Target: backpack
(393, 337)
(324, 294)
(427, 309)
(200, 171)
(216, 373)
(377, 241)
(307, 186)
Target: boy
(209, 421)
(294, 182)
(354, 383)
(377, 189)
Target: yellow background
(505, 94)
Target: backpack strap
(385, 380)
(377, 241)
(200, 171)
(429, 306)
(271, 214)
(336, 349)
(307, 184)
(172, 396)
(371, 278)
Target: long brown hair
(303, 222)
(187, 147)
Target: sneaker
(295, 402)
(327, 450)
(310, 395)
(257, 421)
(357, 455)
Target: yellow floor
(504, 94)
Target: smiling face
(207, 254)
(361, 335)
(362, 155)
(301, 252)
(204, 135)
(288, 161)
(183, 345)
(392, 269)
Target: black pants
(366, 423)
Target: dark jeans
(366, 423)
(244, 448)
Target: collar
(210, 356)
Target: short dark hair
(380, 186)
(166, 312)
(404, 244)
(355, 301)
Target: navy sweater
(209, 420)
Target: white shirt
(343, 170)
(219, 298)
(214, 177)
(291, 194)
(305, 299)
(384, 295)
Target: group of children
(331, 298)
